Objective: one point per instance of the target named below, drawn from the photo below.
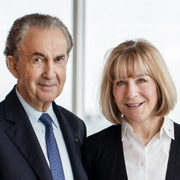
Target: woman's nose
(131, 91)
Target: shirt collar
(34, 114)
(167, 127)
(124, 127)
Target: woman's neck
(147, 129)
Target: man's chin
(47, 97)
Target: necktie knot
(46, 120)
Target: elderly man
(39, 139)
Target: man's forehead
(42, 40)
(37, 31)
(37, 34)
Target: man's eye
(37, 59)
(61, 58)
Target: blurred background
(97, 26)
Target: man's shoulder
(74, 121)
(2, 103)
(68, 114)
(65, 111)
(7, 102)
(11, 98)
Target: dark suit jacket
(103, 157)
(21, 157)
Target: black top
(103, 156)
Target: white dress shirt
(147, 162)
(39, 130)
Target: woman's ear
(12, 65)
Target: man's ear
(12, 65)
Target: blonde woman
(137, 93)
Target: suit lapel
(121, 161)
(173, 155)
(73, 146)
(24, 138)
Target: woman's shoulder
(104, 136)
(176, 128)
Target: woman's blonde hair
(123, 61)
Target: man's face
(42, 66)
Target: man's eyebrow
(60, 56)
(41, 54)
(38, 54)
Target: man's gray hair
(21, 26)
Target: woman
(137, 93)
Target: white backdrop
(110, 22)
(10, 10)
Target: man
(37, 51)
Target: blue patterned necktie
(52, 149)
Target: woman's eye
(141, 80)
(120, 83)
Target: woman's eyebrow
(141, 75)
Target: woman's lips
(134, 105)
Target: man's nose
(131, 91)
(49, 70)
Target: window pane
(9, 11)
(108, 23)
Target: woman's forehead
(124, 71)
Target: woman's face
(136, 97)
